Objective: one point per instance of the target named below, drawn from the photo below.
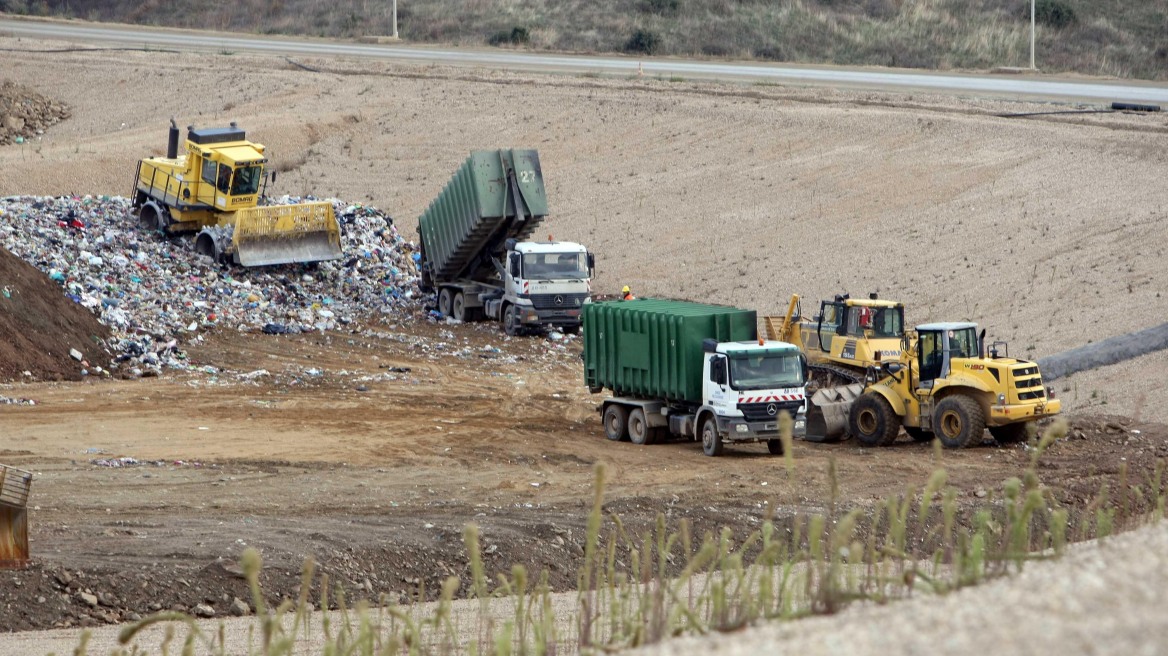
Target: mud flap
(827, 414)
(282, 234)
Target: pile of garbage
(156, 293)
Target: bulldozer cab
(853, 319)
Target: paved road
(1006, 86)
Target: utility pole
(395, 31)
(1032, 66)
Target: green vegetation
(640, 589)
(1092, 37)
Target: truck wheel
(458, 307)
(1010, 433)
(445, 300)
(873, 421)
(959, 422)
(775, 447)
(639, 431)
(616, 422)
(511, 323)
(711, 440)
(918, 434)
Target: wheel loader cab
(938, 344)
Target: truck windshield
(553, 266)
(247, 180)
(765, 371)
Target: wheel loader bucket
(282, 234)
(827, 415)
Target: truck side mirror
(591, 261)
(717, 370)
(513, 262)
(806, 370)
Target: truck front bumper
(530, 316)
(734, 429)
(1009, 414)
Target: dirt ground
(374, 465)
(371, 450)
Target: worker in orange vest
(627, 294)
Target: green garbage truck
(479, 254)
(690, 370)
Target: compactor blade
(827, 414)
(282, 234)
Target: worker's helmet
(625, 290)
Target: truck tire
(511, 324)
(873, 421)
(959, 422)
(918, 434)
(1010, 433)
(616, 422)
(445, 301)
(639, 430)
(458, 307)
(711, 440)
(775, 447)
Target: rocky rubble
(156, 293)
(26, 114)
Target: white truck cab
(747, 386)
(544, 283)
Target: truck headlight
(741, 428)
(799, 423)
(1001, 399)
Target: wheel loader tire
(1010, 433)
(872, 421)
(458, 307)
(639, 431)
(775, 447)
(959, 422)
(711, 440)
(919, 435)
(445, 301)
(616, 422)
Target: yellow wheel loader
(943, 385)
(214, 190)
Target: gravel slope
(1104, 598)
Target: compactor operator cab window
(209, 170)
(247, 180)
(223, 182)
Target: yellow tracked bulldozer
(847, 336)
(214, 190)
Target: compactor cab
(215, 188)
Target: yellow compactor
(214, 190)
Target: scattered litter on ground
(4, 400)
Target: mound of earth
(41, 326)
(25, 113)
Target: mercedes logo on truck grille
(558, 300)
(772, 409)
